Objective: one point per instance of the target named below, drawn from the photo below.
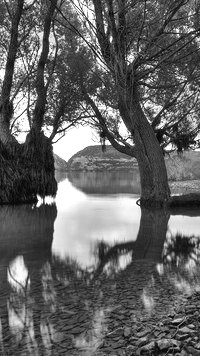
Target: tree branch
(101, 34)
(126, 148)
(10, 63)
(41, 90)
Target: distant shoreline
(184, 186)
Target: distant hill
(60, 164)
(92, 158)
(184, 166)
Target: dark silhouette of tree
(150, 58)
(37, 96)
(28, 169)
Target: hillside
(92, 158)
(184, 166)
(60, 164)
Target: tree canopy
(154, 45)
(40, 82)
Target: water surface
(76, 271)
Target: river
(77, 268)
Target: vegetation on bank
(184, 166)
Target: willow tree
(35, 97)
(144, 47)
(28, 169)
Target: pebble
(127, 332)
(148, 347)
(192, 351)
(197, 346)
(185, 330)
(177, 321)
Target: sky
(75, 140)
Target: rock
(177, 321)
(193, 351)
(176, 343)
(142, 333)
(164, 344)
(191, 326)
(137, 353)
(118, 344)
(185, 330)
(182, 336)
(197, 346)
(127, 332)
(130, 348)
(184, 353)
(121, 353)
(149, 347)
(167, 343)
(142, 341)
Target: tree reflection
(179, 249)
(54, 306)
(182, 253)
(106, 181)
(26, 235)
(148, 245)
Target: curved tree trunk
(153, 174)
(154, 183)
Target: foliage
(153, 46)
(62, 104)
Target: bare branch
(126, 148)
(166, 106)
(40, 86)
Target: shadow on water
(26, 235)
(53, 306)
(60, 176)
(109, 182)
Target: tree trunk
(6, 106)
(153, 174)
(151, 235)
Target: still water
(77, 276)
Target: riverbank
(173, 333)
(184, 187)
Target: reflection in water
(51, 305)
(109, 217)
(110, 182)
(18, 275)
(180, 249)
(26, 235)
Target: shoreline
(184, 187)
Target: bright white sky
(75, 140)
